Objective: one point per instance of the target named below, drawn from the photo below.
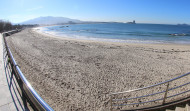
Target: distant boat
(132, 22)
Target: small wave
(182, 34)
(98, 39)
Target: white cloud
(34, 9)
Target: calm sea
(122, 32)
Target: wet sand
(79, 74)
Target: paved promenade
(10, 97)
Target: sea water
(123, 32)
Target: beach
(72, 74)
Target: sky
(143, 11)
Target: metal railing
(152, 96)
(34, 99)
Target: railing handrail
(151, 85)
(114, 100)
(151, 93)
(35, 95)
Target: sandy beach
(79, 75)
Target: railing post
(111, 98)
(166, 92)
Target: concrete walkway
(11, 98)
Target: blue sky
(143, 11)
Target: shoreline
(79, 74)
(110, 42)
(91, 38)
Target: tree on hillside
(5, 26)
(1, 25)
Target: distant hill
(49, 20)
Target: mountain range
(49, 20)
